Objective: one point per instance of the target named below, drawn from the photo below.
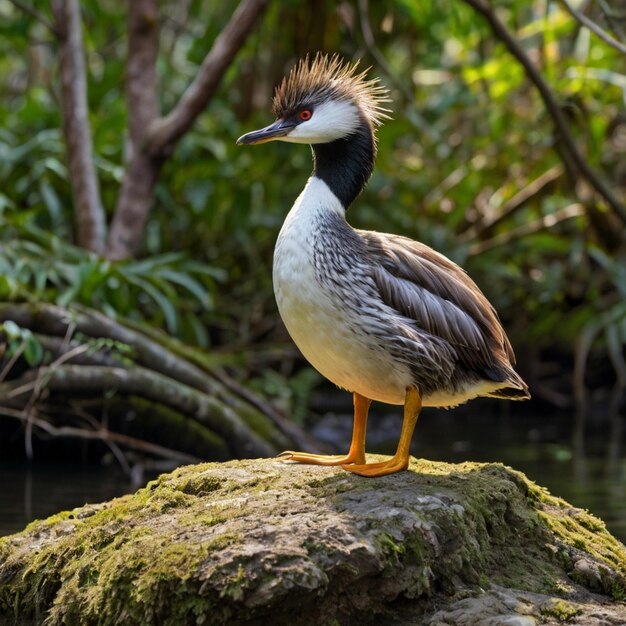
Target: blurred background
(506, 152)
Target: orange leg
(356, 454)
(400, 460)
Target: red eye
(305, 115)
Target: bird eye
(305, 115)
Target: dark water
(38, 491)
(540, 447)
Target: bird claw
(320, 459)
(373, 470)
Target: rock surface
(258, 542)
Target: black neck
(346, 164)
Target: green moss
(563, 611)
(165, 554)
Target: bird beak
(278, 129)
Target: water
(39, 491)
(538, 446)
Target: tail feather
(511, 393)
(515, 389)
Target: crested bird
(380, 315)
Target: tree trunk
(152, 139)
(89, 214)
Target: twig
(549, 221)
(11, 362)
(168, 130)
(89, 214)
(513, 204)
(551, 105)
(594, 28)
(40, 17)
(370, 44)
(102, 435)
(612, 18)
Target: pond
(538, 446)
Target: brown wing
(440, 297)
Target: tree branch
(594, 28)
(40, 17)
(514, 204)
(89, 214)
(142, 169)
(141, 74)
(165, 133)
(612, 18)
(560, 123)
(139, 381)
(543, 223)
(102, 434)
(157, 137)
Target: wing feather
(439, 297)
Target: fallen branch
(141, 382)
(166, 358)
(103, 435)
(108, 369)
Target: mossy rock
(261, 541)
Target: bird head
(322, 100)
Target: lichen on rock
(249, 541)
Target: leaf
(167, 308)
(33, 350)
(51, 200)
(192, 285)
(11, 330)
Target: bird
(382, 316)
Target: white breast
(328, 334)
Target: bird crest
(323, 78)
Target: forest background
(136, 238)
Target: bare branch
(512, 205)
(40, 17)
(594, 28)
(90, 219)
(101, 434)
(145, 383)
(156, 137)
(167, 131)
(370, 42)
(552, 107)
(543, 223)
(612, 18)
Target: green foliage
(20, 342)
(469, 133)
(165, 289)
